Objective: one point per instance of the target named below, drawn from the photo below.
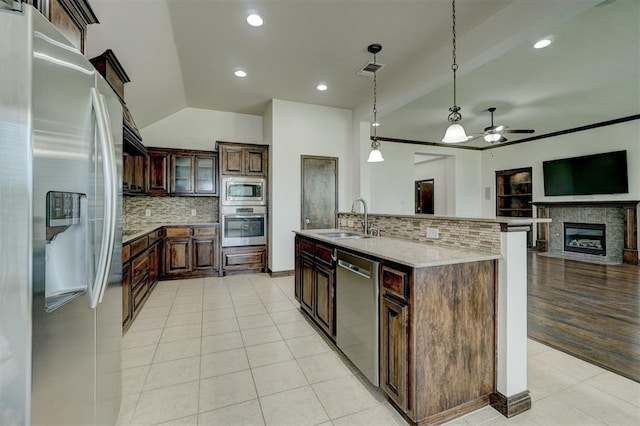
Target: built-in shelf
(514, 193)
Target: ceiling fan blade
(519, 131)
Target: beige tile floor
(237, 351)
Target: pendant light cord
(376, 144)
(455, 109)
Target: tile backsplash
(452, 232)
(167, 210)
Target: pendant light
(375, 156)
(455, 132)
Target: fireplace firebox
(587, 238)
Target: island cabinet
(191, 251)
(141, 270)
(315, 285)
(437, 338)
(243, 159)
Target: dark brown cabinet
(191, 251)
(133, 174)
(194, 173)
(514, 193)
(315, 281)
(177, 248)
(157, 172)
(243, 159)
(244, 259)
(141, 270)
(70, 17)
(394, 349)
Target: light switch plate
(193, 212)
(147, 212)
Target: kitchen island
(437, 323)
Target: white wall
(392, 180)
(532, 154)
(194, 128)
(301, 129)
(438, 171)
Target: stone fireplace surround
(619, 218)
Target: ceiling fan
(494, 134)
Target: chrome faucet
(365, 223)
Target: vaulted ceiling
(182, 53)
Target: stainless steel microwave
(243, 191)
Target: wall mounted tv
(591, 174)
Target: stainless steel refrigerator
(60, 230)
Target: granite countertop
(142, 230)
(401, 251)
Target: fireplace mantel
(629, 210)
(587, 203)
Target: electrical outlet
(433, 233)
(194, 212)
(147, 212)
(343, 222)
(350, 223)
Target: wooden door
(128, 172)
(424, 196)
(204, 253)
(138, 177)
(157, 173)
(153, 264)
(319, 197)
(306, 284)
(255, 161)
(231, 160)
(394, 350)
(325, 289)
(177, 255)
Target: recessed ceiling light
(240, 73)
(542, 43)
(322, 87)
(255, 20)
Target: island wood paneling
(587, 310)
(452, 340)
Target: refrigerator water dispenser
(66, 263)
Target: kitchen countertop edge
(146, 229)
(416, 255)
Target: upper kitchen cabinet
(70, 17)
(110, 68)
(243, 159)
(193, 173)
(157, 171)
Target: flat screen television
(604, 173)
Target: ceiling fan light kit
(455, 132)
(494, 134)
(375, 156)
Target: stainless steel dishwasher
(357, 312)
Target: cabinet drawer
(324, 253)
(181, 231)
(140, 293)
(126, 252)
(204, 231)
(137, 246)
(306, 247)
(395, 282)
(140, 268)
(240, 258)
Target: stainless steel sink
(351, 235)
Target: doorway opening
(424, 196)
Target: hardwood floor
(587, 310)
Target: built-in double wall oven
(244, 211)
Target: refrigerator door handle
(96, 292)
